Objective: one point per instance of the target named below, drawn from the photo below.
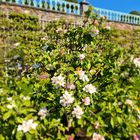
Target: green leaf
(7, 115)
(112, 122)
(29, 136)
(1, 137)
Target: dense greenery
(134, 13)
(65, 82)
(75, 1)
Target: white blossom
(137, 62)
(27, 126)
(96, 136)
(16, 44)
(96, 125)
(84, 78)
(9, 98)
(70, 86)
(129, 102)
(1, 90)
(11, 105)
(108, 27)
(96, 31)
(26, 98)
(89, 88)
(77, 112)
(58, 80)
(66, 99)
(81, 56)
(86, 101)
(42, 112)
(80, 73)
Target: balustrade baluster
(23, 2)
(55, 5)
(78, 9)
(50, 4)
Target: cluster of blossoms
(12, 103)
(96, 125)
(97, 137)
(81, 56)
(1, 90)
(89, 88)
(58, 80)
(129, 102)
(86, 101)
(42, 112)
(137, 62)
(82, 75)
(27, 126)
(66, 99)
(77, 112)
(108, 27)
(70, 86)
(43, 76)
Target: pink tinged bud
(96, 125)
(70, 86)
(81, 56)
(129, 102)
(70, 138)
(137, 62)
(135, 137)
(86, 101)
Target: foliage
(62, 82)
(134, 13)
(75, 1)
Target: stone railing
(53, 5)
(63, 6)
(118, 16)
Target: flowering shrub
(66, 83)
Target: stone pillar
(84, 5)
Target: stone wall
(48, 15)
(41, 13)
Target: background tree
(134, 13)
(75, 1)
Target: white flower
(70, 86)
(11, 105)
(42, 112)
(81, 56)
(137, 62)
(89, 88)
(80, 73)
(138, 113)
(26, 12)
(86, 101)
(77, 112)
(1, 90)
(66, 99)
(108, 27)
(96, 31)
(9, 98)
(96, 125)
(97, 137)
(27, 126)
(58, 80)
(16, 44)
(84, 78)
(26, 98)
(129, 102)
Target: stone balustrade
(76, 9)
(54, 5)
(118, 16)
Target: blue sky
(117, 5)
